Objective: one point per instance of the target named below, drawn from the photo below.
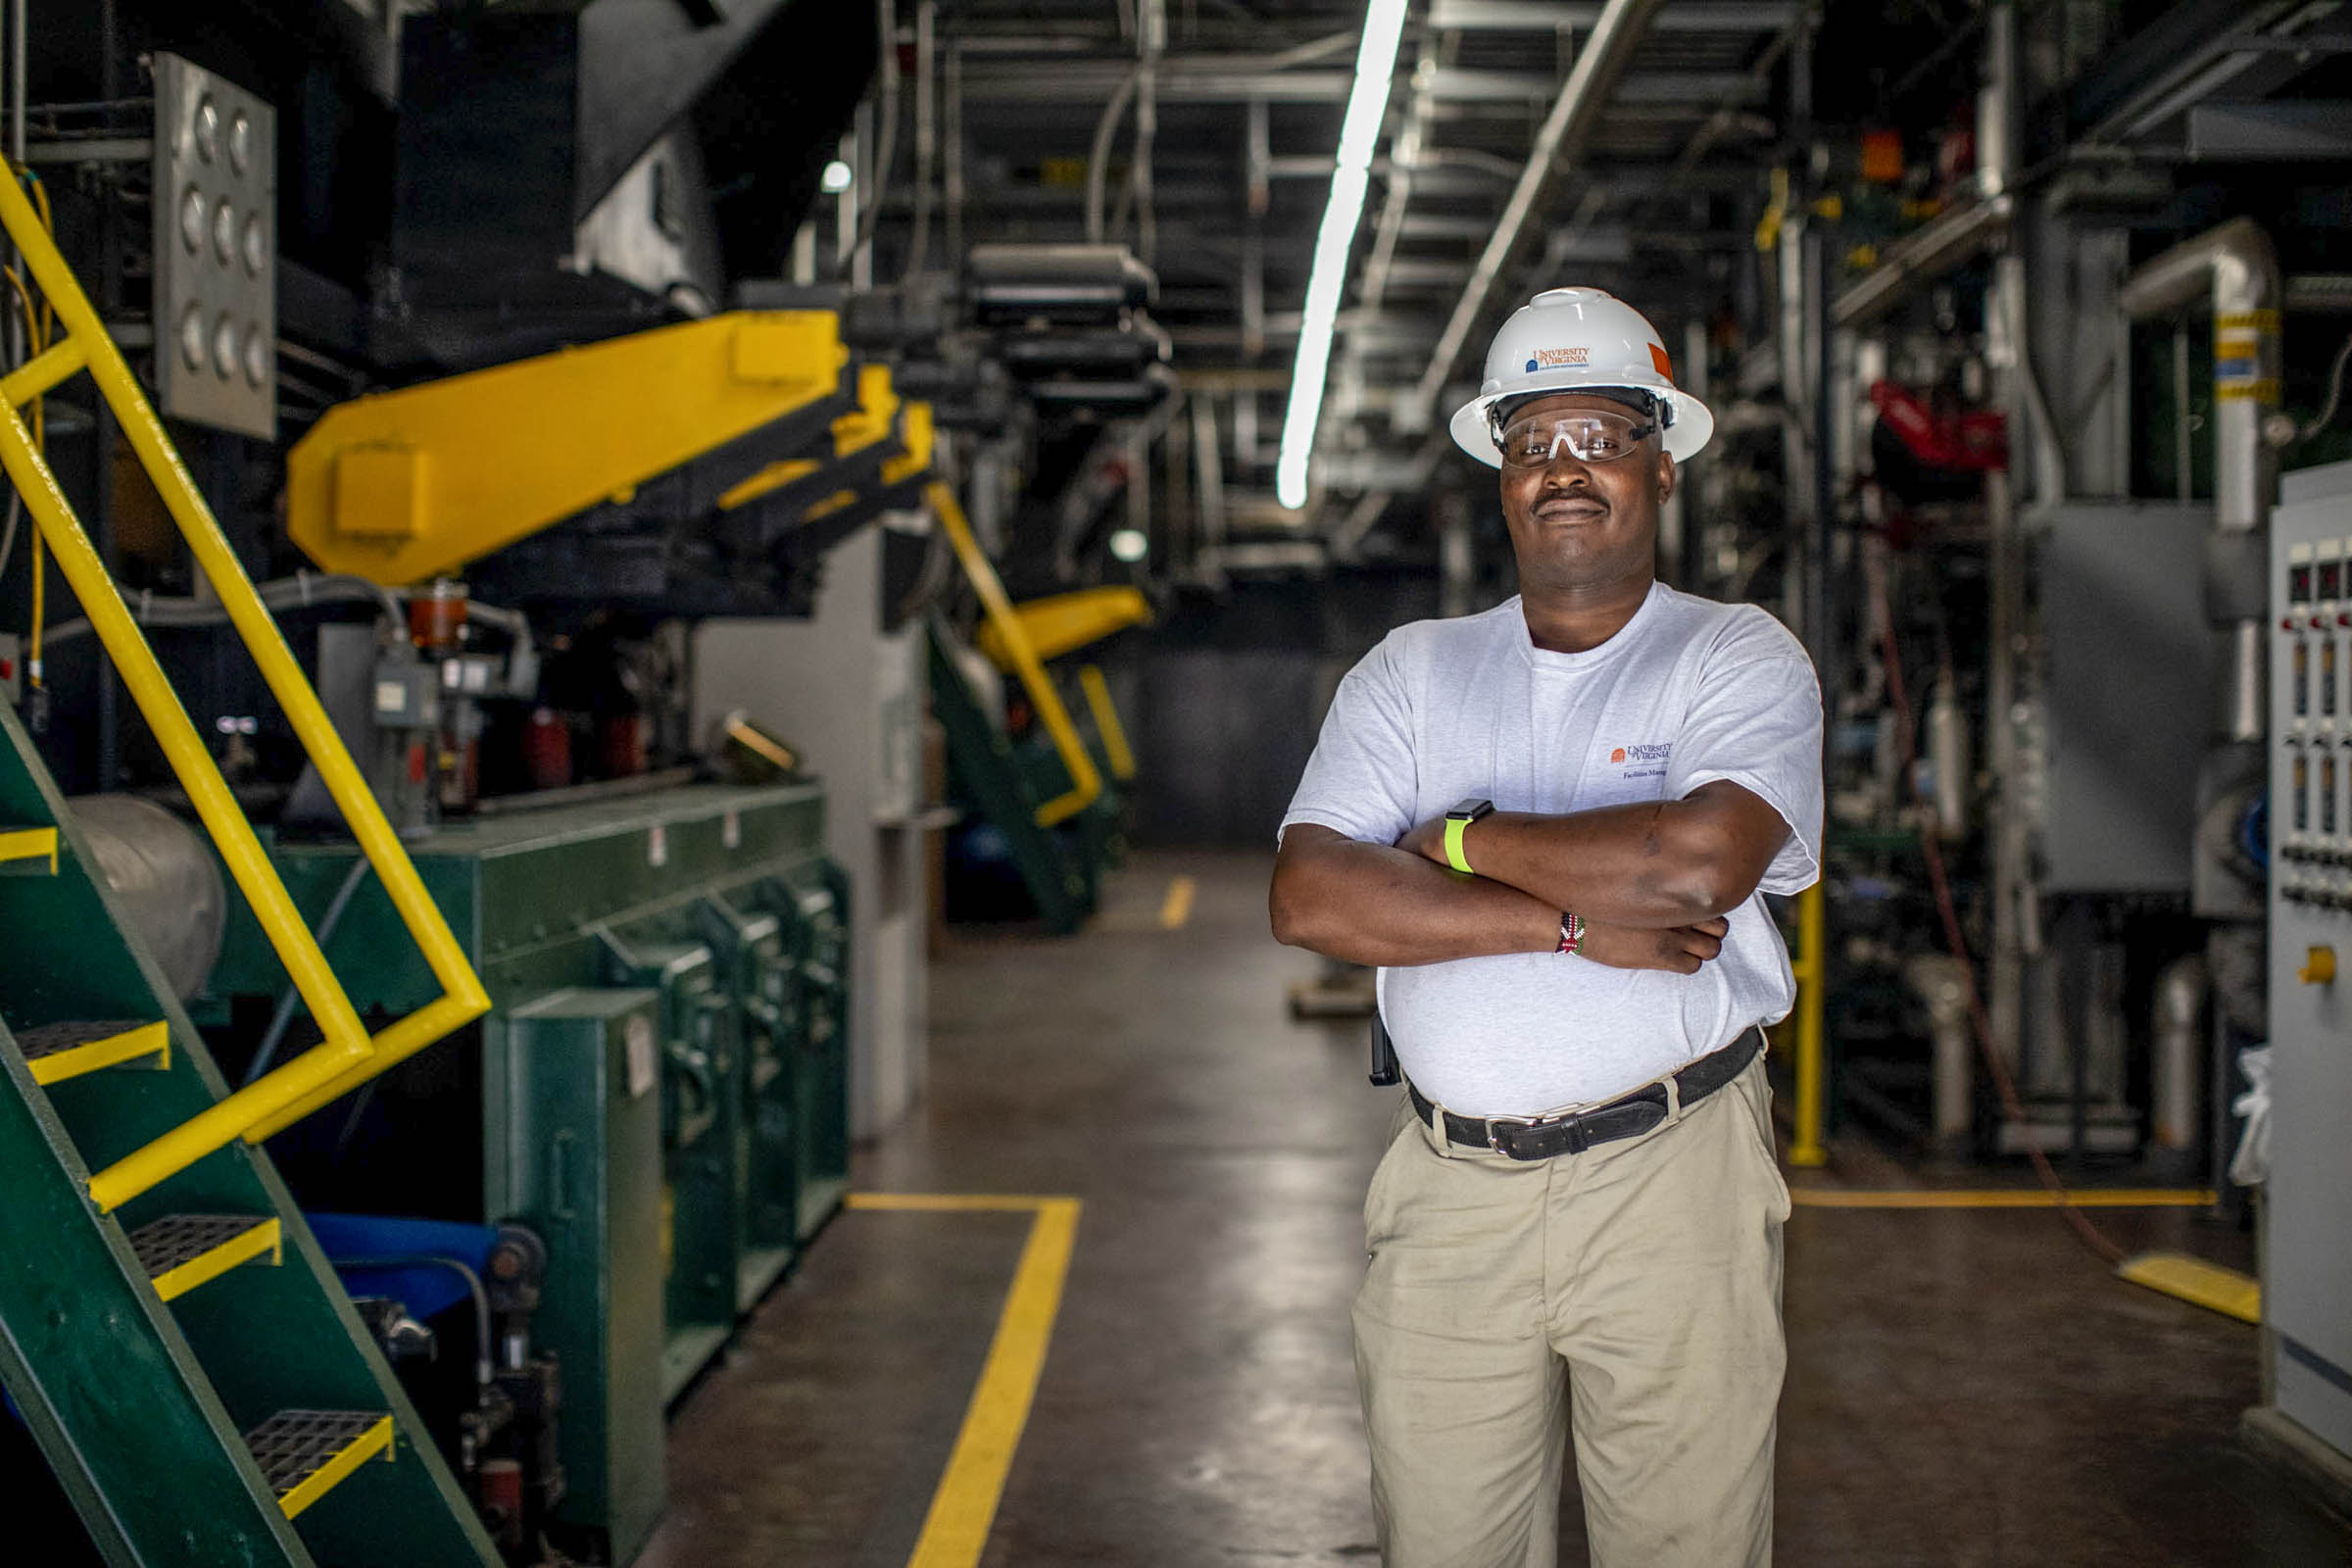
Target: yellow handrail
(1811, 966)
(347, 1055)
(1116, 750)
(1085, 784)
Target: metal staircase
(188, 1363)
(170, 1332)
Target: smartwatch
(1458, 821)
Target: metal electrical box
(216, 251)
(701, 1105)
(2307, 1251)
(576, 1083)
(2129, 693)
(749, 942)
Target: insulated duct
(165, 881)
(2234, 270)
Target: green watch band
(1455, 827)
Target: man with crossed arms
(1550, 826)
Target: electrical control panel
(2308, 1258)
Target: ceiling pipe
(1598, 65)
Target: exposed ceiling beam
(1214, 79)
(1559, 140)
(1462, 84)
(1193, 81)
(2294, 128)
(1550, 16)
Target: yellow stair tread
(2197, 1282)
(305, 1455)
(29, 844)
(56, 1051)
(181, 1251)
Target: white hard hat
(1578, 341)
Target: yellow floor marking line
(2000, 1197)
(956, 1530)
(950, 1202)
(1177, 908)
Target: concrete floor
(1966, 1388)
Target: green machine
(1003, 783)
(663, 1088)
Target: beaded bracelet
(1572, 932)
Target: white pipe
(2235, 270)
(2177, 1075)
(1940, 982)
(1948, 763)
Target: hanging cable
(1098, 163)
(926, 134)
(886, 131)
(2335, 396)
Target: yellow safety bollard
(1811, 967)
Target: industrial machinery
(659, 1089)
(497, 401)
(2307, 1274)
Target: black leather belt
(1636, 1113)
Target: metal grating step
(181, 1251)
(56, 1051)
(305, 1453)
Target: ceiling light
(1130, 545)
(836, 177)
(1359, 132)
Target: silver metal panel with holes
(216, 251)
(2307, 1257)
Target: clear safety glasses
(1589, 435)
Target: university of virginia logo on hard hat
(1553, 359)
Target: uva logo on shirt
(1641, 761)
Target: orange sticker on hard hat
(1665, 367)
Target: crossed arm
(1652, 881)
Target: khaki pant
(1632, 1289)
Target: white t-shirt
(1688, 692)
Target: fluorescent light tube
(1359, 133)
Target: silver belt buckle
(1494, 1138)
